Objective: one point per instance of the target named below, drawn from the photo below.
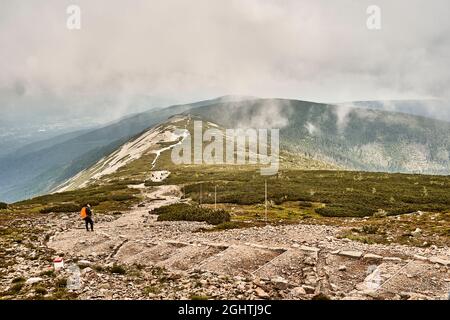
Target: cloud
(312, 129)
(134, 56)
(342, 115)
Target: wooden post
(215, 197)
(265, 197)
(201, 193)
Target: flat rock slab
(129, 252)
(441, 261)
(355, 271)
(239, 260)
(190, 256)
(154, 254)
(371, 256)
(417, 276)
(288, 265)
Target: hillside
(353, 138)
(312, 136)
(41, 166)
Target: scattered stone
(351, 254)
(416, 232)
(309, 289)
(261, 293)
(371, 256)
(84, 263)
(441, 261)
(342, 268)
(392, 259)
(280, 283)
(298, 292)
(380, 214)
(312, 249)
(419, 257)
(86, 271)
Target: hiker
(86, 215)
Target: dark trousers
(88, 221)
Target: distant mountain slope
(42, 166)
(150, 143)
(433, 108)
(354, 138)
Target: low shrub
(40, 290)
(3, 205)
(18, 280)
(15, 288)
(61, 283)
(65, 207)
(121, 197)
(305, 204)
(117, 269)
(185, 212)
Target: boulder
(298, 292)
(33, 280)
(280, 283)
(342, 268)
(261, 293)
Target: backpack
(83, 213)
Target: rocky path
(282, 262)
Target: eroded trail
(131, 226)
(297, 260)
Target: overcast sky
(133, 55)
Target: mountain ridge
(352, 138)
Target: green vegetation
(65, 207)
(185, 212)
(40, 290)
(18, 280)
(3, 206)
(227, 225)
(154, 289)
(118, 269)
(337, 193)
(14, 289)
(61, 283)
(103, 198)
(48, 273)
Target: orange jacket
(83, 213)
